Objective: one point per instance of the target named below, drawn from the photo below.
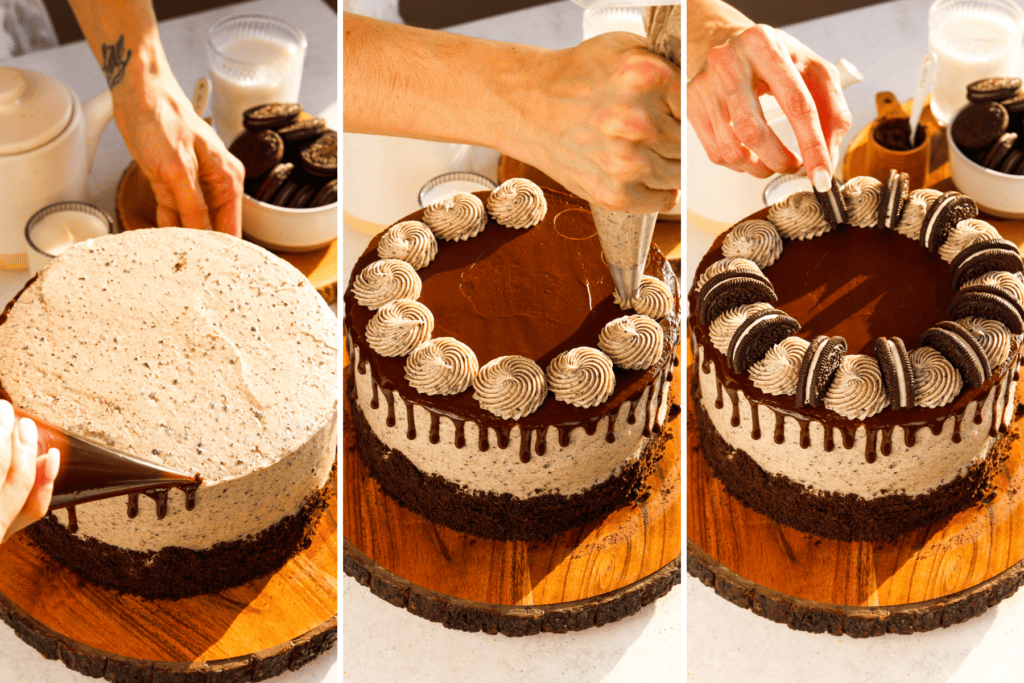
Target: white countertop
(184, 41)
(385, 643)
(727, 643)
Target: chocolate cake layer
(844, 517)
(179, 572)
(503, 516)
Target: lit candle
(55, 229)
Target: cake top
(192, 349)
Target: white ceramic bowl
(283, 229)
(999, 194)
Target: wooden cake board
(581, 578)
(251, 632)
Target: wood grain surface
(931, 577)
(62, 615)
(581, 564)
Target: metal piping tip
(627, 280)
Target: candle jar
(56, 228)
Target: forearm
(709, 23)
(432, 85)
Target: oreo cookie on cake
(894, 198)
(942, 217)
(758, 333)
(897, 371)
(730, 289)
(984, 301)
(833, 203)
(961, 349)
(985, 257)
(820, 362)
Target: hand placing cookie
(290, 156)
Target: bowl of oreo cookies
(291, 177)
(986, 146)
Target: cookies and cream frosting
(857, 391)
(936, 381)
(756, 240)
(410, 241)
(778, 372)
(964, 234)
(510, 387)
(992, 336)
(1008, 283)
(386, 280)
(398, 327)
(724, 326)
(653, 298)
(517, 203)
(456, 216)
(582, 377)
(633, 342)
(799, 217)
(727, 265)
(863, 194)
(917, 205)
(441, 366)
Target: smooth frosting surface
(191, 349)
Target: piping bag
(626, 237)
(89, 471)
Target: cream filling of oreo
(935, 217)
(810, 371)
(892, 205)
(835, 205)
(901, 382)
(741, 335)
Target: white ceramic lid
(34, 109)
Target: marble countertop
(727, 643)
(184, 41)
(385, 643)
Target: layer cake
(529, 293)
(193, 350)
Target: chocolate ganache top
(536, 293)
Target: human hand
(196, 181)
(606, 124)
(26, 481)
(723, 108)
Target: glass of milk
(973, 39)
(253, 60)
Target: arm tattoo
(115, 59)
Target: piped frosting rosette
(777, 373)
(510, 387)
(583, 377)
(964, 234)
(456, 216)
(936, 381)
(754, 239)
(857, 392)
(653, 298)
(441, 366)
(993, 337)
(409, 241)
(384, 281)
(724, 326)
(633, 342)
(1008, 283)
(398, 327)
(914, 212)
(863, 194)
(799, 217)
(727, 265)
(517, 203)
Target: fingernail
(27, 431)
(6, 416)
(822, 180)
(52, 463)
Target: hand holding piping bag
(26, 480)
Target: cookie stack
(990, 130)
(290, 156)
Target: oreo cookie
(303, 129)
(943, 215)
(894, 198)
(983, 301)
(756, 335)
(1012, 163)
(818, 369)
(961, 349)
(259, 151)
(979, 125)
(302, 196)
(320, 157)
(285, 194)
(985, 257)
(994, 155)
(897, 371)
(270, 116)
(993, 89)
(833, 204)
(730, 289)
(1014, 104)
(273, 182)
(328, 194)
